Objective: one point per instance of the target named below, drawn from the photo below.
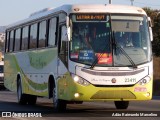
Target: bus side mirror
(68, 23)
(150, 28)
(150, 22)
(69, 33)
(151, 34)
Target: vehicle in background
(1, 69)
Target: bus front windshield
(109, 40)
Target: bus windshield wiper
(97, 59)
(128, 57)
(100, 56)
(115, 45)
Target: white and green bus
(77, 53)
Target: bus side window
(52, 32)
(17, 40)
(7, 41)
(25, 32)
(11, 41)
(33, 36)
(42, 34)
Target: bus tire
(32, 99)
(22, 98)
(121, 104)
(59, 105)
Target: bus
(74, 54)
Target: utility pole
(110, 1)
(132, 2)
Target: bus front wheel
(59, 105)
(121, 104)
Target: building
(2, 37)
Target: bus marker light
(147, 94)
(76, 9)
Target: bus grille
(114, 94)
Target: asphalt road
(85, 111)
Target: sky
(14, 10)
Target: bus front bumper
(72, 91)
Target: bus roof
(82, 8)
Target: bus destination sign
(90, 17)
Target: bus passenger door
(62, 52)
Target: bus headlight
(144, 80)
(80, 80)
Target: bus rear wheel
(121, 104)
(22, 98)
(59, 105)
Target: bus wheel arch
(51, 85)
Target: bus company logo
(6, 114)
(113, 80)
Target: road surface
(85, 111)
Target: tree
(155, 17)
